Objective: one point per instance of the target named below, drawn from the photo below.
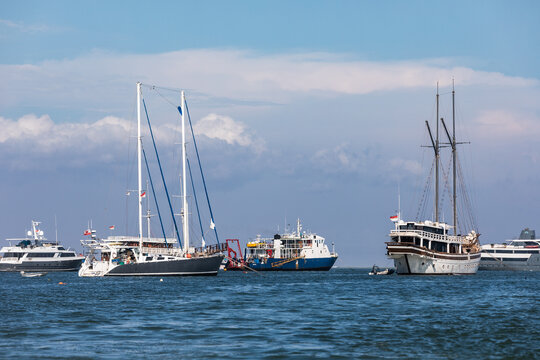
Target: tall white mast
(184, 182)
(437, 160)
(139, 166)
(148, 214)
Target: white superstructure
(426, 248)
(521, 254)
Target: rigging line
(213, 224)
(446, 184)
(466, 196)
(195, 198)
(466, 208)
(154, 87)
(162, 176)
(154, 196)
(164, 98)
(423, 201)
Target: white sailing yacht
(128, 255)
(426, 247)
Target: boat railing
(200, 251)
(432, 236)
(393, 243)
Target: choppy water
(343, 313)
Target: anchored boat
(140, 255)
(294, 251)
(522, 254)
(35, 254)
(427, 247)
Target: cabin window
(488, 251)
(67, 254)
(417, 241)
(438, 246)
(34, 255)
(505, 251)
(13, 255)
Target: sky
(302, 109)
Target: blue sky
(310, 109)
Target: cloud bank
(95, 81)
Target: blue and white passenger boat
(290, 251)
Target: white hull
(511, 262)
(173, 266)
(415, 262)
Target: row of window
(517, 251)
(412, 226)
(36, 255)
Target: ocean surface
(341, 314)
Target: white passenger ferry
(35, 254)
(521, 254)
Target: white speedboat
(375, 270)
(35, 254)
(521, 254)
(32, 274)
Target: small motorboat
(376, 271)
(32, 274)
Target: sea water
(343, 313)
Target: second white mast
(184, 179)
(139, 166)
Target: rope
(154, 196)
(202, 174)
(162, 176)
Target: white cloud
(343, 159)
(24, 27)
(46, 136)
(507, 124)
(104, 80)
(399, 165)
(224, 128)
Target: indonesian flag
(111, 227)
(143, 194)
(394, 218)
(87, 232)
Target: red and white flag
(87, 232)
(394, 218)
(111, 227)
(143, 194)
